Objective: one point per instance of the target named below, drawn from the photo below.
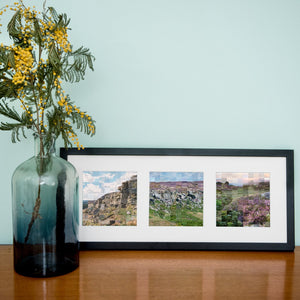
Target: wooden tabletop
(162, 275)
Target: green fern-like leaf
(14, 25)
(9, 112)
(82, 123)
(7, 89)
(54, 14)
(82, 58)
(37, 32)
(54, 58)
(15, 129)
(23, 122)
(63, 21)
(11, 59)
(3, 59)
(56, 121)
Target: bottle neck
(44, 146)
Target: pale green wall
(183, 73)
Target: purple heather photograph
(243, 199)
(109, 198)
(176, 199)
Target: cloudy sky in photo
(98, 183)
(175, 176)
(240, 179)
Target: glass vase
(45, 213)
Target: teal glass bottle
(45, 213)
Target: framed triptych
(185, 199)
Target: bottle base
(36, 263)
(30, 268)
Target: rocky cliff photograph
(176, 199)
(243, 199)
(109, 198)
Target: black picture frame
(287, 200)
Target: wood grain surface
(162, 275)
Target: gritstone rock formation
(113, 209)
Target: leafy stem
(35, 213)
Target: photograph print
(176, 199)
(109, 198)
(243, 199)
